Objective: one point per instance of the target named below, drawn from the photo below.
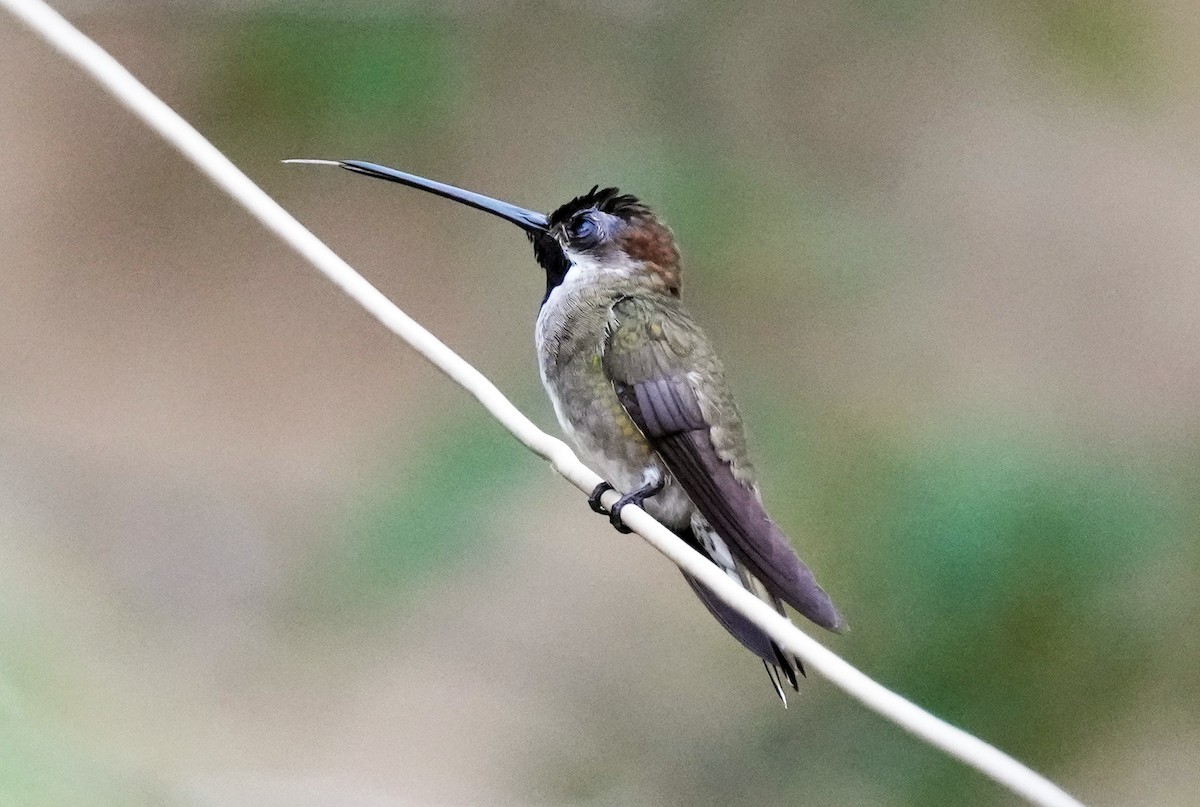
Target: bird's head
(604, 232)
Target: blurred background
(254, 551)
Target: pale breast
(570, 334)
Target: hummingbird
(636, 385)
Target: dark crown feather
(606, 200)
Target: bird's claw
(637, 497)
(614, 518)
(594, 499)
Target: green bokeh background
(257, 552)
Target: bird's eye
(583, 229)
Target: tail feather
(773, 677)
(780, 666)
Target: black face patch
(551, 258)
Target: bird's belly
(608, 441)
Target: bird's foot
(637, 497)
(594, 499)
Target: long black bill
(528, 220)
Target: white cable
(175, 130)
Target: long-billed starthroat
(637, 386)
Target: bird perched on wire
(636, 385)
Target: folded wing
(665, 377)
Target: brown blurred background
(253, 551)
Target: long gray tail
(779, 665)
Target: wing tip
(819, 609)
(839, 625)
